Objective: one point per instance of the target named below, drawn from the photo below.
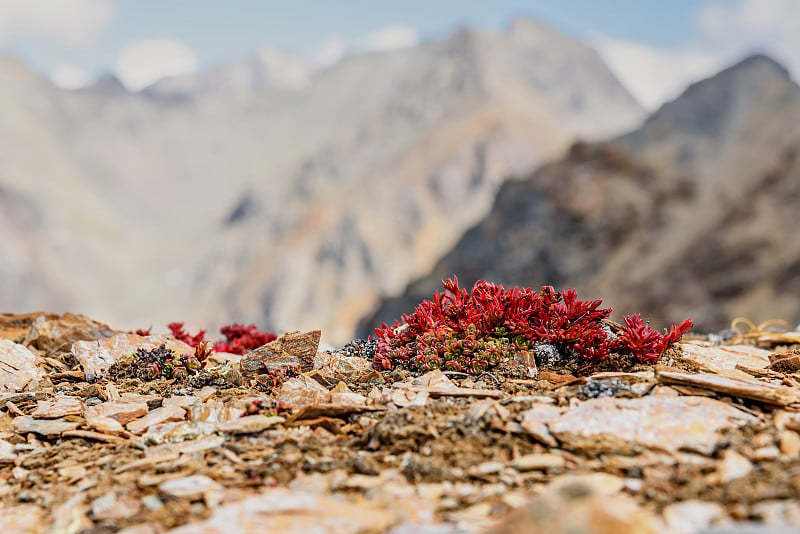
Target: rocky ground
(707, 440)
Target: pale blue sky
(218, 29)
(647, 43)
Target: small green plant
(162, 362)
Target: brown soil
(441, 441)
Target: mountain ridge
(382, 157)
(637, 223)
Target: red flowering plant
(238, 338)
(180, 333)
(474, 331)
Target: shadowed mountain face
(693, 214)
(264, 192)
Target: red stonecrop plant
(181, 334)
(644, 342)
(473, 331)
(238, 338)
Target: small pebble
(363, 348)
(152, 502)
(605, 387)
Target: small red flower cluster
(182, 335)
(238, 338)
(472, 331)
(644, 342)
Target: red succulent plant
(473, 331)
(644, 342)
(238, 338)
(181, 334)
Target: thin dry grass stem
(764, 334)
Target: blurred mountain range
(268, 191)
(694, 213)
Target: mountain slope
(288, 206)
(442, 126)
(689, 214)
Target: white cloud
(750, 18)
(330, 51)
(144, 62)
(393, 37)
(772, 26)
(70, 76)
(725, 32)
(654, 76)
(70, 23)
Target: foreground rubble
(706, 440)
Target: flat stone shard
(726, 357)
(18, 369)
(122, 412)
(154, 417)
(534, 422)
(732, 466)
(58, 407)
(249, 424)
(565, 512)
(530, 462)
(302, 391)
(342, 395)
(287, 511)
(22, 518)
(692, 516)
(629, 426)
(103, 423)
(190, 487)
(177, 431)
(45, 427)
(293, 349)
(96, 357)
(7, 453)
(304, 345)
(738, 387)
(51, 333)
(110, 506)
(185, 447)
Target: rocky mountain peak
(108, 85)
(265, 69)
(720, 104)
(281, 70)
(760, 64)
